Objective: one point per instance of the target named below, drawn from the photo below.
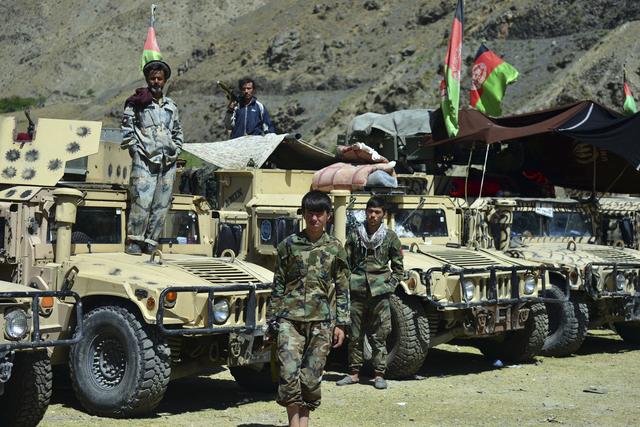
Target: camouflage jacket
(154, 131)
(370, 267)
(311, 280)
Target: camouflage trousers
(370, 316)
(302, 353)
(150, 191)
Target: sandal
(346, 381)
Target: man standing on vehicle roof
(370, 250)
(250, 117)
(309, 307)
(152, 133)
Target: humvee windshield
(561, 224)
(421, 223)
(96, 225)
(408, 222)
(274, 230)
(180, 227)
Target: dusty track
(461, 388)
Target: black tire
(408, 342)
(110, 381)
(568, 323)
(255, 377)
(28, 391)
(521, 345)
(629, 331)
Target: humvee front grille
(503, 287)
(239, 309)
(613, 255)
(216, 272)
(462, 258)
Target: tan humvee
(29, 325)
(147, 319)
(618, 220)
(449, 292)
(602, 280)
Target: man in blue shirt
(249, 117)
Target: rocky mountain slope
(317, 63)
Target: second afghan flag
(490, 76)
(450, 86)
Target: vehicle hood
(426, 256)
(559, 254)
(174, 269)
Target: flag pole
(152, 18)
(466, 179)
(484, 170)
(593, 191)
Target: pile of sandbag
(371, 170)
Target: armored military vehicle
(602, 280)
(29, 320)
(450, 291)
(147, 320)
(618, 220)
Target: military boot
(149, 248)
(133, 249)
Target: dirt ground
(457, 386)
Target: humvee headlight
(469, 289)
(16, 324)
(170, 299)
(221, 311)
(529, 284)
(621, 281)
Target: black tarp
(562, 143)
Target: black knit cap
(149, 65)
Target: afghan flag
(450, 86)
(151, 50)
(490, 76)
(629, 106)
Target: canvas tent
(393, 135)
(562, 143)
(398, 124)
(283, 151)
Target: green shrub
(17, 103)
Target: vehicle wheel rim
(108, 361)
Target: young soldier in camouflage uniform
(152, 133)
(309, 307)
(370, 249)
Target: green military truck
(562, 233)
(147, 319)
(450, 291)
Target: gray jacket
(154, 131)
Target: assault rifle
(228, 92)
